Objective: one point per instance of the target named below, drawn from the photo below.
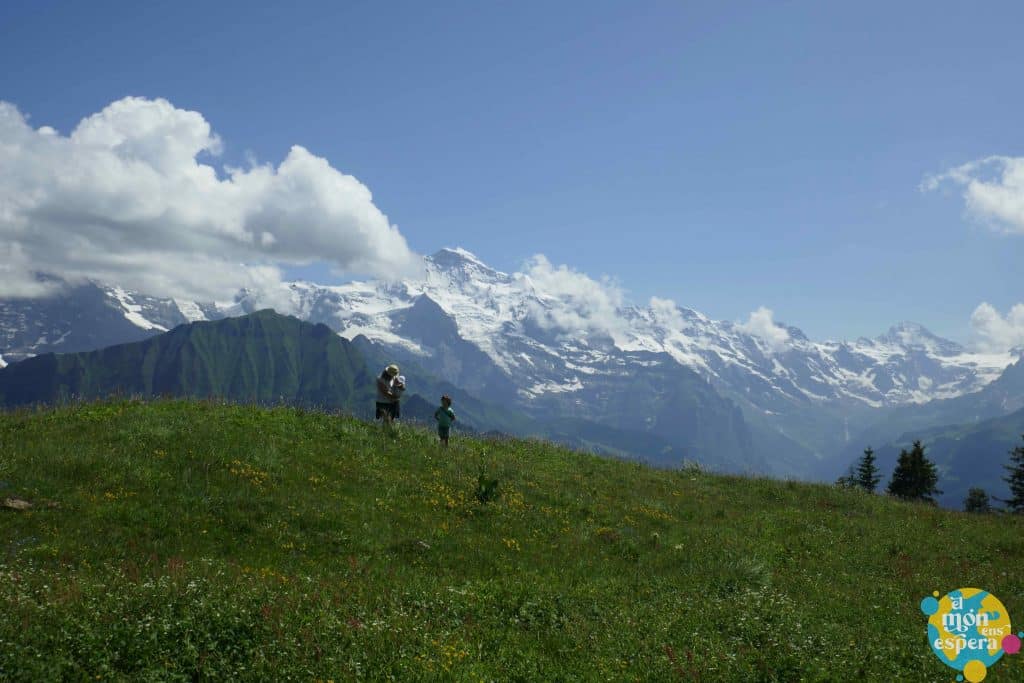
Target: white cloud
(997, 333)
(666, 312)
(16, 277)
(761, 325)
(571, 301)
(993, 190)
(125, 199)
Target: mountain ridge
(268, 358)
(515, 340)
(263, 357)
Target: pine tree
(977, 501)
(867, 472)
(915, 476)
(1016, 479)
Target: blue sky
(724, 155)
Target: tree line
(916, 478)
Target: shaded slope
(966, 455)
(263, 357)
(472, 412)
(1001, 398)
(690, 420)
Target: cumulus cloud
(995, 332)
(666, 312)
(761, 325)
(993, 190)
(571, 301)
(130, 197)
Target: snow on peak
(537, 324)
(906, 332)
(453, 257)
(914, 335)
(190, 310)
(503, 314)
(133, 311)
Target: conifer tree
(977, 501)
(915, 476)
(1015, 479)
(867, 472)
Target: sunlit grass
(177, 540)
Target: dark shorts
(443, 431)
(390, 409)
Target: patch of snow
(585, 369)
(553, 387)
(131, 311)
(989, 365)
(383, 336)
(62, 337)
(190, 310)
(468, 255)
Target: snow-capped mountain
(88, 317)
(509, 318)
(511, 337)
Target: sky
(844, 165)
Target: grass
(188, 540)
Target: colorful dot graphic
(929, 606)
(966, 630)
(975, 671)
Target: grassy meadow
(192, 540)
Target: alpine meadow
(532, 342)
(175, 540)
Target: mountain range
(714, 391)
(268, 358)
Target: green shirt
(444, 416)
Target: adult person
(387, 398)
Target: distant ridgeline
(268, 358)
(263, 358)
(966, 456)
(671, 385)
(968, 437)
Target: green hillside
(193, 540)
(262, 358)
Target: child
(444, 416)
